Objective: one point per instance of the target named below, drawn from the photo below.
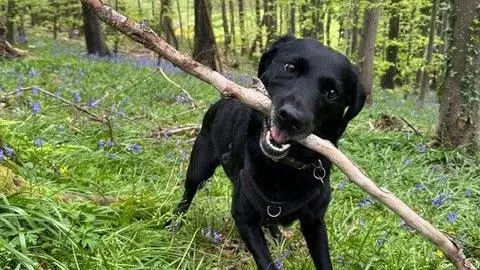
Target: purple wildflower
(39, 142)
(364, 202)
(407, 161)
(76, 97)
(7, 150)
(440, 200)
(32, 73)
(421, 148)
(121, 112)
(452, 216)
(35, 90)
(36, 108)
(18, 91)
(420, 186)
(342, 184)
(182, 99)
(341, 260)
(1, 154)
(381, 240)
(212, 235)
(135, 148)
(278, 264)
(468, 192)
(92, 103)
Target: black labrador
(313, 89)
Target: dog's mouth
(273, 141)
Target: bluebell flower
(76, 97)
(182, 99)
(285, 254)
(92, 103)
(212, 235)
(7, 150)
(365, 202)
(39, 142)
(35, 90)
(18, 91)
(419, 186)
(278, 264)
(342, 184)
(32, 73)
(362, 222)
(407, 161)
(381, 240)
(101, 144)
(135, 148)
(36, 108)
(452, 216)
(421, 148)
(121, 112)
(108, 143)
(1, 154)
(468, 193)
(440, 200)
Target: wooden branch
(261, 102)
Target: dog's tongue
(278, 135)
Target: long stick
(261, 102)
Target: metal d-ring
(319, 171)
(276, 214)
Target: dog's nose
(291, 116)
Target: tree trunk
(257, 41)
(317, 19)
(204, 40)
(270, 20)
(139, 5)
(291, 25)
(231, 8)
(424, 77)
(388, 79)
(94, 36)
(241, 22)
(166, 23)
(10, 35)
(180, 22)
(367, 49)
(327, 27)
(356, 11)
(458, 123)
(227, 39)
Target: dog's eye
(332, 93)
(290, 68)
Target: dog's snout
(291, 116)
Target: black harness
(272, 211)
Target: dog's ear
(356, 103)
(268, 55)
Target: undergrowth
(97, 191)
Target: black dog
(276, 181)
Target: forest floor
(78, 192)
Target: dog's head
(311, 87)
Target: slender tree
(10, 35)
(367, 48)
(292, 24)
(166, 23)
(459, 119)
(424, 76)
(270, 20)
(257, 41)
(204, 50)
(94, 36)
(354, 31)
(388, 79)
(241, 22)
(226, 32)
(231, 8)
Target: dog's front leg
(254, 238)
(315, 233)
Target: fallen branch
(255, 99)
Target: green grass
(44, 226)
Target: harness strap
(268, 209)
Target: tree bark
(231, 8)
(10, 21)
(94, 36)
(256, 98)
(327, 27)
(388, 79)
(227, 39)
(292, 24)
(355, 14)
(270, 20)
(241, 22)
(458, 123)
(204, 40)
(180, 22)
(166, 23)
(257, 41)
(367, 49)
(424, 77)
